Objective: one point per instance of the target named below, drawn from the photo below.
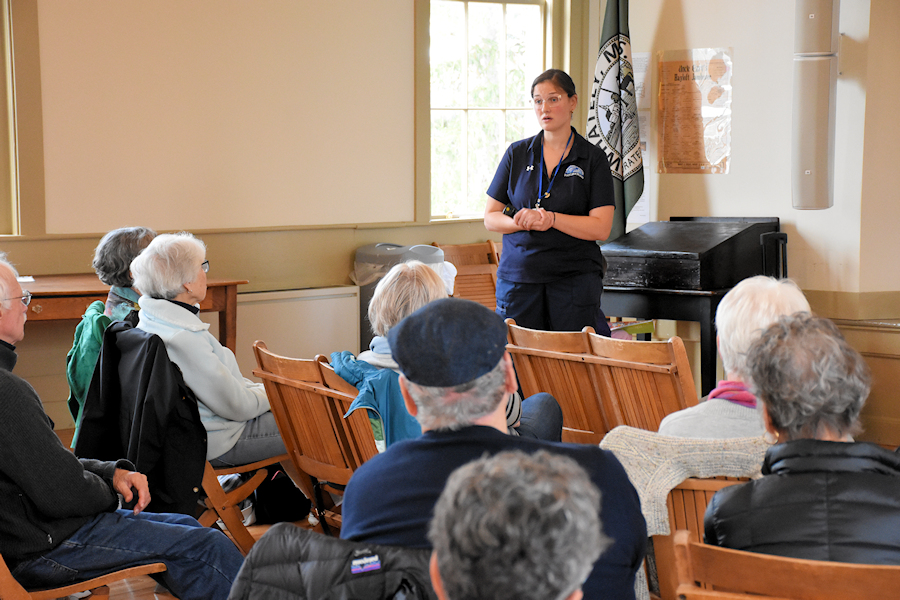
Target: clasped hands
(534, 219)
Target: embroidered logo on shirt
(365, 563)
(574, 170)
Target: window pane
(486, 146)
(447, 162)
(485, 62)
(447, 54)
(520, 124)
(484, 56)
(524, 58)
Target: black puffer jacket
(818, 500)
(290, 563)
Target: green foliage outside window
(483, 58)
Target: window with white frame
(483, 57)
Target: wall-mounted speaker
(816, 41)
(812, 144)
(816, 26)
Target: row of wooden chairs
(601, 382)
(309, 401)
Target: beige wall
(842, 257)
(829, 255)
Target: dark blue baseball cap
(448, 342)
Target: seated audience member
(406, 288)
(112, 263)
(744, 313)
(515, 526)
(456, 376)
(171, 274)
(822, 495)
(59, 522)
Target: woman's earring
(771, 438)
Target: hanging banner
(612, 122)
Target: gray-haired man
(456, 374)
(516, 526)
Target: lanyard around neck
(541, 194)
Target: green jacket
(82, 358)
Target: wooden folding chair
(687, 506)
(225, 506)
(477, 283)
(324, 447)
(768, 576)
(481, 253)
(10, 589)
(555, 362)
(642, 382)
(476, 271)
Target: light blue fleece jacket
(227, 399)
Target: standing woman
(552, 198)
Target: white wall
(825, 247)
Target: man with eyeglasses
(59, 523)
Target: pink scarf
(734, 391)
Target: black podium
(680, 270)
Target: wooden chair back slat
(496, 250)
(481, 253)
(551, 361)
(320, 442)
(573, 342)
(687, 504)
(701, 594)
(477, 283)
(776, 576)
(646, 381)
(360, 441)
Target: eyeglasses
(550, 100)
(205, 266)
(25, 298)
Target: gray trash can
(372, 263)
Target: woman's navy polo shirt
(582, 184)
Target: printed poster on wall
(694, 118)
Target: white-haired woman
(744, 313)
(406, 288)
(822, 496)
(171, 274)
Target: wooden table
(61, 297)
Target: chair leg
(303, 481)
(224, 506)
